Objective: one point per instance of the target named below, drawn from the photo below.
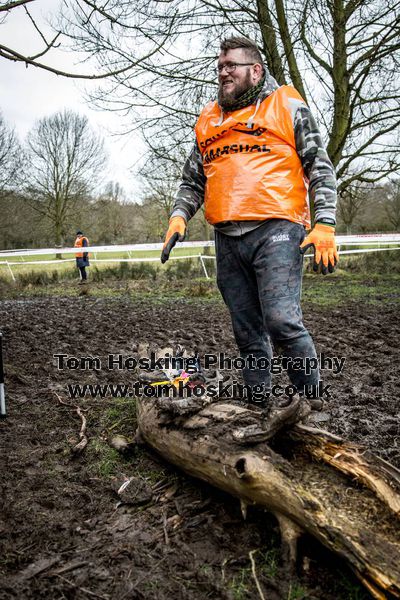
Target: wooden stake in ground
(3, 411)
(83, 441)
(347, 499)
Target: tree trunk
(270, 44)
(289, 50)
(311, 480)
(58, 234)
(341, 84)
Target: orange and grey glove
(176, 232)
(322, 237)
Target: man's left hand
(322, 238)
(176, 233)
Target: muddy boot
(198, 379)
(152, 376)
(316, 404)
(317, 414)
(279, 417)
(182, 407)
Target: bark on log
(311, 480)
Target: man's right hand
(176, 232)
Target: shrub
(387, 261)
(124, 271)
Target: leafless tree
(342, 56)
(159, 186)
(65, 161)
(353, 51)
(391, 202)
(157, 60)
(10, 157)
(160, 176)
(20, 225)
(351, 200)
(110, 214)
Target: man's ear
(257, 72)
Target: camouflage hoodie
(317, 167)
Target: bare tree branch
(11, 5)
(289, 49)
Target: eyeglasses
(230, 67)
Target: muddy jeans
(259, 276)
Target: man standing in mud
(82, 258)
(258, 152)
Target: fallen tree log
(311, 480)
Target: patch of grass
(375, 283)
(206, 569)
(201, 288)
(239, 585)
(120, 417)
(123, 271)
(43, 274)
(104, 460)
(155, 475)
(329, 291)
(343, 288)
(387, 262)
(268, 562)
(297, 592)
(65, 270)
(152, 585)
(183, 269)
(381, 262)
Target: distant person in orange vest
(258, 154)
(82, 258)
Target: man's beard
(227, 99)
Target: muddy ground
(64, 532)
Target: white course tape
(3, 411)
(365, 250)
(365, 239)
(37, 262)
(99, 249)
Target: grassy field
(373, 278)
(337, 289)
(20, 264)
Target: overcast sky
(28, 94)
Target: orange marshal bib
(79, 244)
(253, 174)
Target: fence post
(204, 266)
(3, 412)
(10, 269)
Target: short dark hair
(241, 42)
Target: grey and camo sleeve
(316, 165)
(190, 195)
